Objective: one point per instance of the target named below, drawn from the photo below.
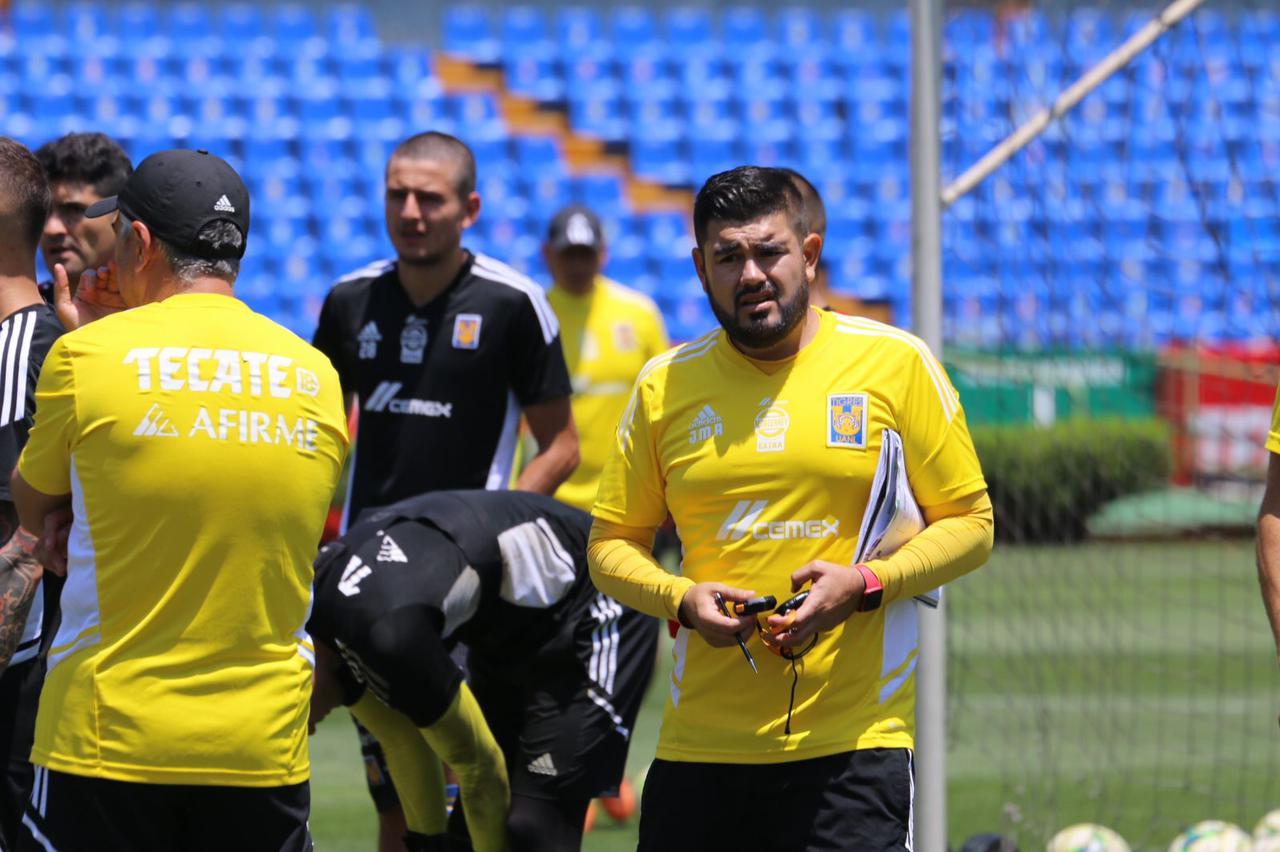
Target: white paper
(892, 517)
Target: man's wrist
(872, 589)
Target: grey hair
(189, 267)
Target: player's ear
(143, 246)
(812, 247)
(472, 204)
(701, 270)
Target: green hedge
(1045, 483)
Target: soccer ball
(1212, 836)
(1087, 837)
(1268, 826)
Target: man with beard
(83, 169)
(442, 350)
(762, 440)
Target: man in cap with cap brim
(197, 446)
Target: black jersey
(25, 338)
(504, 572)
(440, 387)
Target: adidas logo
(224, 205)
(369, 334)
(706, 424)
(543, 766)
(155, 424)
(390, 551)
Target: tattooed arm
(20, 574)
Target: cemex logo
(745, 520)
(384, 398)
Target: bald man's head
(442, 148)
(24, 197)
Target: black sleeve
(537, 368)
(13, 435)
(332, 338)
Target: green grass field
(1128, 684)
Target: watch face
(871, 601)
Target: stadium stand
(306, 103)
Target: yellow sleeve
(632, 491)
(942, 465)
(622, 566)
(460, 738)
(463, 740)
(45, 462)
(415, 769)
(957, 540)
(1273, 437)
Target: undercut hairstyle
(25, 201)
(815, 212)
(92, 159)
(437, 147)
(188, 267)
(747, 193)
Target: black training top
(504, 572)
(440, 387)
(25, 338)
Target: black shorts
(72, 813)
(564, 724)
(19, 698)
(565, 730)
(858, 800)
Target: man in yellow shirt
(1269, 529)
(762, 440)
(197, 445)
(608, 332)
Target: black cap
(176, 193)
(576, 226)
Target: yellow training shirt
(766, 466)
(1273, 437)
(608, 335)
(200, 443)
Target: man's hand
(326, 688)
(833, 597)
(52, 549)
(698, 610)
(96, 296)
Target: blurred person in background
(820, 293)
(196, 446)
(27, 614)
(82, 169)
(441, 351)
(1269, 529)
(609, 332)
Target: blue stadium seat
(348, 23)
(799, 27)
(634, 30)
(745, 27)
(523, 25)
(291, 23)
(537, 153)
(467, 31)
(579, 28)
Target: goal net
(1110, 304)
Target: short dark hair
(815, 212)
(93, 159)
(25, 201)
(746, 193)
(434, 145)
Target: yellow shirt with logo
(608, 335)
(766, 466)
(200, 443)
